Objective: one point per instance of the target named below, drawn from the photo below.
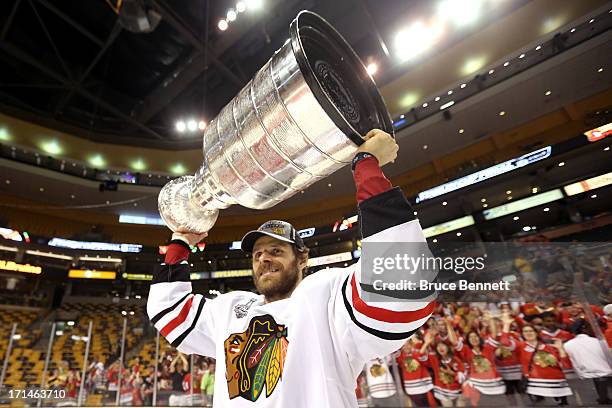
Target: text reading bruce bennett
(440, 286)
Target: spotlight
(180, 126)
(491, 71)
(463, 86)
(231, 15)
(416, 39)
(372, 68)
(527, 229)
(192, 125)
(425, 105)
(201, 125)
(254, 4)
(521, 56)
(240, 6)
(460, 12)
(516, 218)
(222, 24)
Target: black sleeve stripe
(177, 342)
(384, 211)
(171, 273)
(406, 294)
(164, 312)
(377, 333)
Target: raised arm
(182, 317)
(371, 329)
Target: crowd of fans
(174, 383)
(494, 354)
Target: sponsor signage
(588, 184)
(94, 246)
(448, 226)
(133, 219)
(523, 204)
(11, 234)
(17, 267)
(306, 232)
(330, 259)
(233, 273)
(599, 133)
(485, 174)
(137, 276)
(91, 274)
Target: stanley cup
(297, 121)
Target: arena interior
(501, 110)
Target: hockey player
(303, 341)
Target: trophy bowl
(299, 119)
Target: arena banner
(17, 267)
(91, 274)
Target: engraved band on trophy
(297, 121)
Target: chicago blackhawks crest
(255, 358)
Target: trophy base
(178, 211)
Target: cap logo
(278, 231)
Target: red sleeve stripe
(174, 323)
(384, 315)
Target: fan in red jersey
(542, 364)
(416, 379)
(449, 371)
(479, 354)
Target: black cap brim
(248, 241)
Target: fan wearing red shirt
(542, 364)
(416, 377)
(449, 371)
(479, 355)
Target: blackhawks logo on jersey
(255, 358)
(411, 364)
(545, 359)
(481, 364)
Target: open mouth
(268, 272)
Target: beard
(278, 284)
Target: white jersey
(303, 351)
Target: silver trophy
(297, 121)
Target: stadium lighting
(192, 125)
(178, 169)
(460, 12)
(222, 25)
(472, 65)
(416, 39)
(231, 15)
(372, 68)
(180, 126)
(254, 4)
(139, 165)
(97, 161)
(201, 125)
(5, 136)
(527, 229)
(240, 6)
(51, 147)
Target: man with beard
(301, 342)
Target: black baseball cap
(280, 230)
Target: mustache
(265, 267)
